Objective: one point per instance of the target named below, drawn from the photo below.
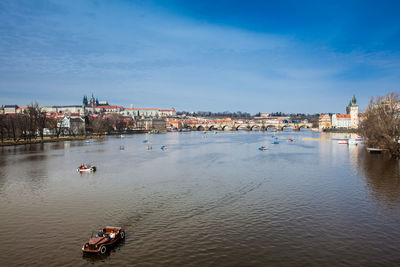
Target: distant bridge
(249, 126)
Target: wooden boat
(86, 168)
(375, 150)
(102, 240)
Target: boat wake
(168, 213)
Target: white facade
(10, 109)
(341, 121)
(167, 112)
(64, 109)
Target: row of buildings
(94, 106)
(350, 120)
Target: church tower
(354, 113)
(92, 101)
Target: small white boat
(342, 142)
(353, 142)
(86, 168)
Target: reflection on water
(204, 201)
(382, 176)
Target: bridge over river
(234, 126)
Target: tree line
(27, 126)
(33, 122)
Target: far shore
(340, 130)
(10, 142)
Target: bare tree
(3, 127)
(118, 123)
(97, 124)
(40, 119)
(12, 126)
(381, 124)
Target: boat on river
(375, 150)
(262, 148)
(86, 168)
(352, 142)
(102, 240)
(342, 142)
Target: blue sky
(254, 56)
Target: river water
(207, 200)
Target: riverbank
(343, 130)
(47, 140)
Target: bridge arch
(242, 127)
(200, 128)
(302, 126)
(226, 128)
(255, 128)
(287, 127)
(213, 128)
(271, 127)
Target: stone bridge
(249, 126)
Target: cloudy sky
(289, 56)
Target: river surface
(207, 200)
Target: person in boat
(83, 166)
(100, 233)
(112, 235)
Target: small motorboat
(102, 240)
(275, 142)
(352, 142)
(121, 148)
(262, 148)
(145, 141)
(342, 142)
(290, 139)
(163, 147)
(86, 168)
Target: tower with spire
(92, 101)
(353, 108)
(85, 101)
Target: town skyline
(104, 101)
(213, 55)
